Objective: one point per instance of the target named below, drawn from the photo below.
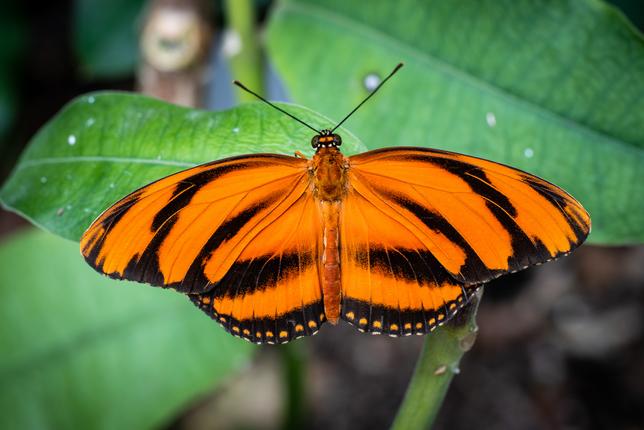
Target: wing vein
(397, 211)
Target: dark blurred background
(559, 347)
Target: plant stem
(437, 364)
(243, 47)
(295, 403)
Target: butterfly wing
(391, 283)
(272, 292)
(240, 236)
(440, 224)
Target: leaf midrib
(35, 162)
(346, 22)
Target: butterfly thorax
(329, 171)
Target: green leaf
(83, 351)
(554, 88)
(103, 146)
(106, 36)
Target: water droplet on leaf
(490, 118)
(371, 81)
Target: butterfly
(394, 241)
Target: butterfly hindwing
(478, 219)
(240, 236)
(272, 293)
(391, 283)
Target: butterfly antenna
(243, 87)
(369, 96)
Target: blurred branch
(437, 365)
(175, 45)
(241, 46)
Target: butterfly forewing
(241, 236)
(477, 218)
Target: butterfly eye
(314, 141)
(337, 140)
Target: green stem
(437, 364)
(246, 58)
(293, 368)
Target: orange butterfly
(393, 241)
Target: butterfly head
(326, 139)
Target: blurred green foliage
(554, 88)
(12, 45)
(82, 351)
(106, 37)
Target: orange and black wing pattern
(422, 228)
(240, 236)
(391, 282)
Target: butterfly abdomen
(330, 185)
(331, 286)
